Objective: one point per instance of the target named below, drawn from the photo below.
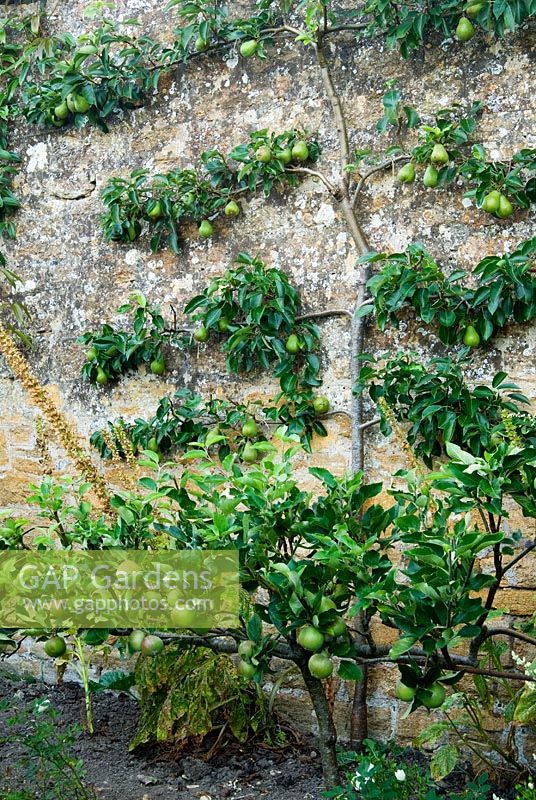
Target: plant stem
(314, 173)
(327, 735)
(373, 170)
(524, 637)
(335, 312)
(359, 715)
(83, 671)
(518, 558)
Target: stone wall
(73, 280)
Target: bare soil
(248, 772)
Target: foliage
(448, 153)
(440, 407)
(18, 311)
(257, 308)
(253, 309)
(62, 79)
(451, 127)
(507, 292)
(295, 411)
(514, 178)
(8, 160)
(210, 23)
(409, 25)
(396, 114)
(438, 605)
(112, 352)
(11, 532)
(180, 421)
(320, 555)
(466, 719)
(71, 517)
(303, 548)
(526, 791)
(48, 769)
(509, 471)
(102, 73)
(381, 772)
(187, 693)
(166, 203)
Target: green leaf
(148, 483)
(350, 671)
(96, 636)
(115, 680)
(443, 761)
(325, 476)
(404, 644)
(431, 734)
(457, 454)
(525, 711)
(254, 628)
(413, 119)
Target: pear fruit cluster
(439, 157)
(497, 204)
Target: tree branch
(344, 28)
(359, 717)
(518, 558)
(338, 114)
(223, 642)
(378, 168)
(330, 312)
(306, 171)
(524, 637)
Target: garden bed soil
(248, 772)
(158, 772)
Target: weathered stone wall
(74, 280)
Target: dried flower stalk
(59, 424)
(398, 432)
(41, 444)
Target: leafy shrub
(507, 292)
(436, 401)
(382, 772)
(187, 693)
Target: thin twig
(378, 168)
(370, 424)
(344, 28)
(524, 637)
(306, 171)
(330, 312)
(518, 558)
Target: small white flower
(400, 775)
(530, 785)
(519, 660)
